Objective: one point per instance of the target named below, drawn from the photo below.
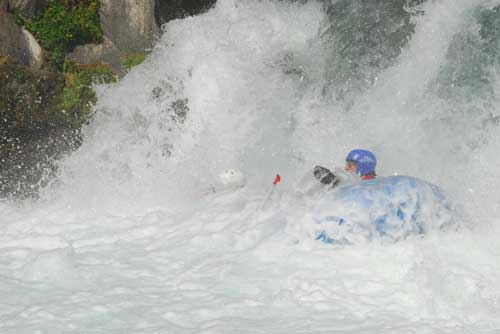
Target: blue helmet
(365, 161)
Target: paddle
(325, 176)
(277, 180)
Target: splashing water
(131, 238)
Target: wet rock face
(27, 100)
(129, 27)
(27, 165)
(167, 10)
(33, 133)
(9, 35)
(130, 24)
(17, 43)
(34, 129)
(365, 37)
(27, 8)
(489, 20)
(105, 52)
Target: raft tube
(390, 208)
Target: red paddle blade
(277, 179)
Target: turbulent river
(137, 235)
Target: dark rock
(466, 81)
(106, 52)
(28, 100)
(365, 38)
(28, 165)
(18, 43)
(167, 10)
(129, 24)
(27, 8)
(180, 109)
(490, 31)
(156, 93)
(33, 130)
(129, 27)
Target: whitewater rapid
(131, 238)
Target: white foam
(53, 266)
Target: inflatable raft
(390, 208)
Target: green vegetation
(42, 111)
(130, 61)
(34, 110)
(41, 114)
(49, 99)
(3, 60)
(78, 95)
(62, 26)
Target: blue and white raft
(390, 208)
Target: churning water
(131, 238)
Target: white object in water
(232, 178)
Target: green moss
(4, 60)
(41, 113)
(85, 15)
(62, 27)
(33, 102)
(78, 95)
(130, 61)
(28, 100)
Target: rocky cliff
(51, 51)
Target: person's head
(362, 162)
